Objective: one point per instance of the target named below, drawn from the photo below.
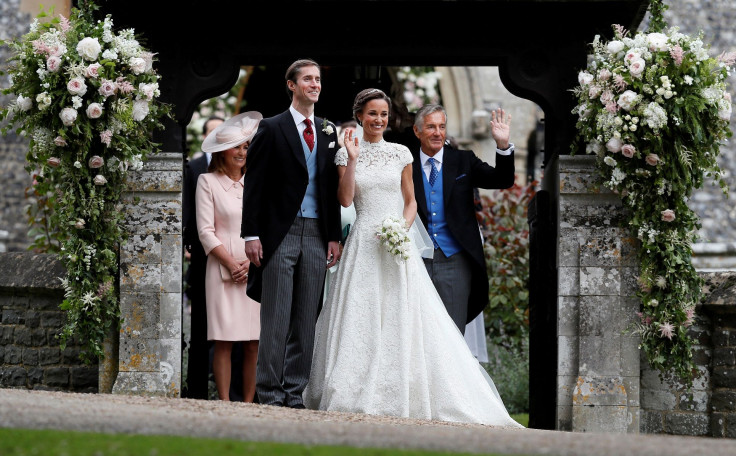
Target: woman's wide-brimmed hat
(233, 132)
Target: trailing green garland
(86, 99)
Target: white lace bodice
(377, 180)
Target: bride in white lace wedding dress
(384, 343)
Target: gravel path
(188, 417)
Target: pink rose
(76, 86)
(637, 67)
(94, 110)
(668, 215)
(96, 162)
(93, 71)
(607, 97)
(594, 91)
(59, 141)
(628, 150)
(53, 64)
(604, 74)
(107, 88)
(53, 162)
(652, 159)
(631, 56)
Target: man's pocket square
(332, 144)
(460, 176)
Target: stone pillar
(150, 280)
(598, 361)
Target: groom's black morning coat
(462, 171)
(275, 184)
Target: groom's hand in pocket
(254, 251)
(333, 253)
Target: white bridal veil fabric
(385, 344)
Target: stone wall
(598, 364)
(30, 321)
(709, 409)
(13, 149)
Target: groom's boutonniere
(327, 127)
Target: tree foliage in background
(503, 220)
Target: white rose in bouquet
(585, 78)
(140, 110)
(23, 103)
(615, 46)
(637, 66)
(89, 48)
(68, 116)
(100, 180)
(627, 100)
(137, 65)
(657, 41)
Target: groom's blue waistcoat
(436, 223)
(309, 203)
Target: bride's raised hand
(351, 144)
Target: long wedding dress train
(384, 343)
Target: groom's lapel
(323, 143)
(449, 172)
(288, 128)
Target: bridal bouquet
(393, 235)
(654, 108)
(86, 98)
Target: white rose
(109, 54)
(77, 87)
(148, 57)
(79, 224)
(137, 65)
(615, 46)
(149, 90)
(614, 145)
(94, 110)
(657, 41)
(24, 103)
(44, 100)
(631, 56)
(140, 110)
(100, 180)
(89, 48)
(329, 130)
(627, 100)
(585, 78)
(637, 67)
(609, 161)
(68, 116)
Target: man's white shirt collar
(299, 117)
(438, 157)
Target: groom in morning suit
(291, 225)
(444, 179)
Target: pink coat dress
(231, 314)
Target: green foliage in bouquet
(86, 99)
(655, 110)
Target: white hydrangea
(655, 116)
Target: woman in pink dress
(231, 315)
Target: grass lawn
(17, 442)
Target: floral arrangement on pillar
(421, 86)
(87, 100)
(654, 108)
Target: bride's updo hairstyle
(363, 97)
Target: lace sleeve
(404, 154)
(341, 157)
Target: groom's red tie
(309, 134)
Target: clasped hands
(254, 251)
(239, 270)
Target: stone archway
(201, 49)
